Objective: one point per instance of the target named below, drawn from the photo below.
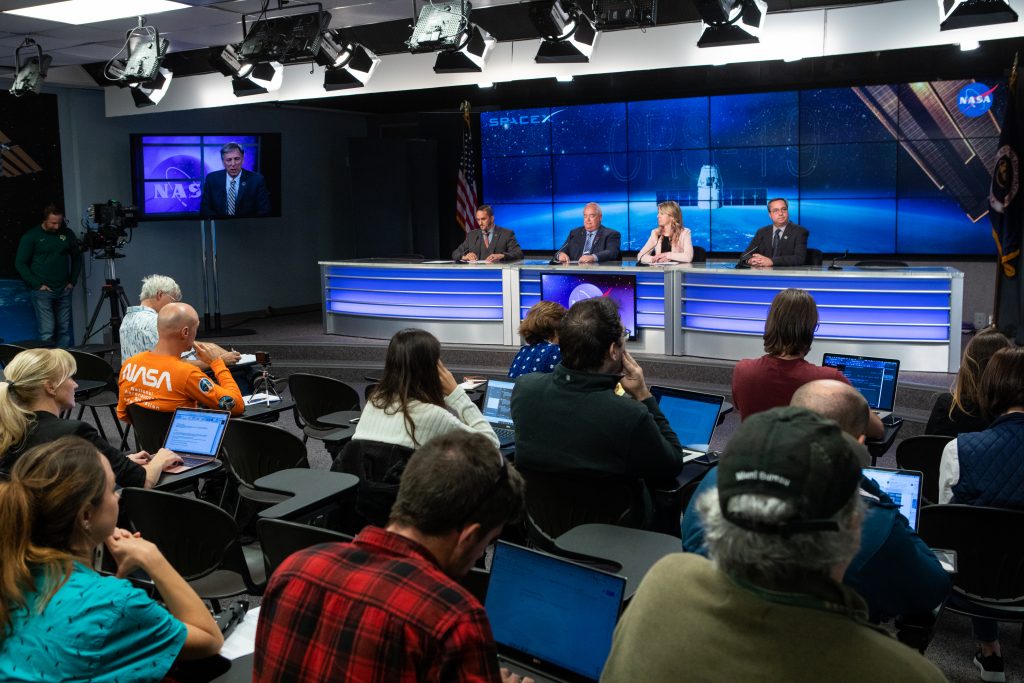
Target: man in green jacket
(49, 262)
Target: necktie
(487, 239)
(590, 242)
(776, 237)
(231, 197)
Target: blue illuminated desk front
(709, 310)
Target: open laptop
(498, 409)
(552, 619)
(903, 486)
(196, 434)
(875, 378)
(693, 416)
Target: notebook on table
(552, 619)
(498, 410)
(903, 486)
(875, 378)
(693, 416)
(196, 435)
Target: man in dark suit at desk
(234, 191)
(780, 244)
(490, 243)
(592, 242)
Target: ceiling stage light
(569, 36)
(143, 52)
(348, 65)
(730, 22)
(469, 56)
(151, 92)
(30, 72)
(954, 14)
(258, 79)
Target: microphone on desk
(742, 262)
(641, 264)
(561, 250)
(833, 266)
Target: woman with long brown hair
(959, 410)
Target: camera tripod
(265, 382)
(113, 293)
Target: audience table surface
(634, 550)
(343, 419)
(171, 480)
(256, 411)
(311, 491)
(878, 447)
(240, 671)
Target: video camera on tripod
(113, 221)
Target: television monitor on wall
(177, 177)
(568, 288)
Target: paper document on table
(242, 640)
(246, 358)
(443, 261)
(261, 398)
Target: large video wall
(890, 169)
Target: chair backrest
(280, 538)
(255, 449)
(923, 453)
(813, 257)
(379, 467)
(700, 254)
(316, 396)
(8, 352)
(558, 502)
(90, 366)
(196, 537)
(369, 390)
(150, 427)
(990, 557)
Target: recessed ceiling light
(485, 84)
(967, 45)
(563, 79)
(79, 12)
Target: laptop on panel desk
(875, 378)
(693, 416)
(498, 409)
(552, 619)
(196, 435)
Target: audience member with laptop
(769, 381)
(987, 468)
(39, 387)
(388, 606)
(893, 570)
(782, 526)
(59, 619)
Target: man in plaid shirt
(387, 607)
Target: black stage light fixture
(955, 14)
(139, 60)
(469, 56)
(151, 92)
(569, 36)
(30, 71)
(258, 79)
(347, 65)
(730, 22)
(614, 14)
(440, 26)
(289, 38)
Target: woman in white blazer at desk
(670, 241)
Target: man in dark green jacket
(49, 262)
(572, 421)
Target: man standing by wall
(49, 262)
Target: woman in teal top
(59, 619)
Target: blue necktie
(590, 242)
(232, 194)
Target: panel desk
(708, 309)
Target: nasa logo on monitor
(975, 99)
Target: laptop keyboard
(505, 435)
(194, 462)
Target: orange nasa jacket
(164, 383)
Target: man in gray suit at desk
(491, 243)
(592, 242)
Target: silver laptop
(903, 486)
(498, 409)
(875, 378)
(693, 416)
(196, 435)
(552, 619)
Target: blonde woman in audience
(39, 386)
(957, 411)
(540, 330)
(417, 397)
(670, 241)
(59, 619)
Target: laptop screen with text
(197, 432)
(875, 378)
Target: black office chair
(989, 582)
(8, 352)
(316, 396)
(923, 453)
(367, 390)
(813, 258)
(150, 427)
(379, 467)
(280, 538)
(198, 539)
(700, 254)
(93, 367)
(253, 450)
(557, 502)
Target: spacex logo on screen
(975, 99)
(524, 120)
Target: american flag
(465, 186)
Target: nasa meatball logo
(975, 99)
(205, 385)
(175, 184)
(585, 291)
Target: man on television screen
(592, 242)
(234, 191)
(491, 243)
(780, 244)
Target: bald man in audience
(894, 571)
(160, 380)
